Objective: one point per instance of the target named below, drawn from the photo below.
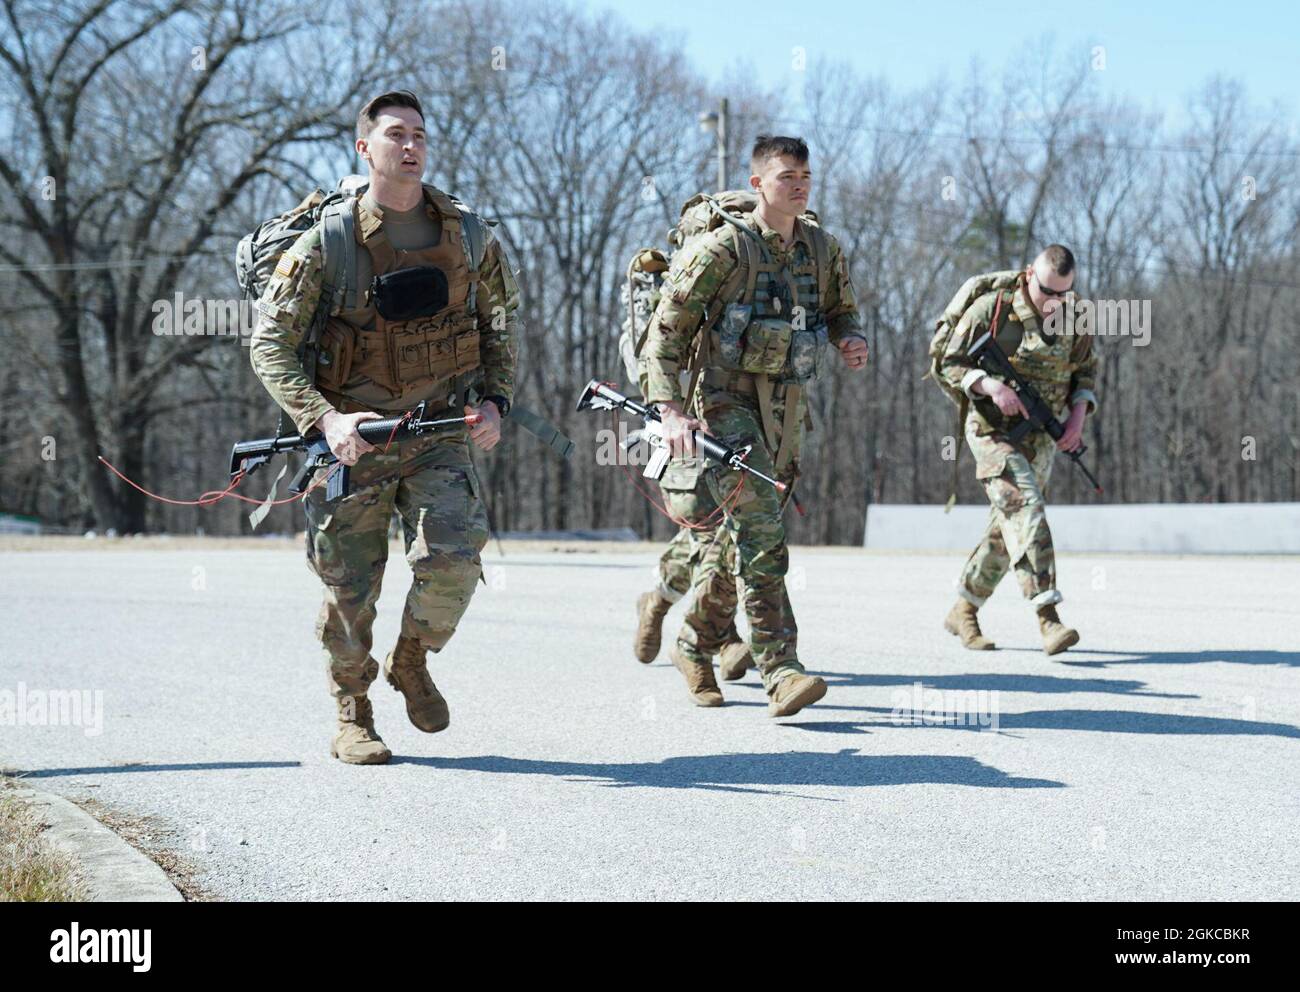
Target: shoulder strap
(1000, 317)
(473, 237)
(822, 259)
(338, 289)
(339, 252)
(370, 232)
(746, 265)
(639, 335)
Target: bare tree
(143, 125)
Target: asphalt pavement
(1160, 759)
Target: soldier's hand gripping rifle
(988, 355)
(602, 396)
(248, 456)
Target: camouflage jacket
(695, 285)
(286, 308)
(1063, 367)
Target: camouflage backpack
(708, 211)
(640, 296)
(258, 253)
(971, 290)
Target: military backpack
(971, 290)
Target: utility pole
(717, 123)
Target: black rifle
(602, 396)
(248, 456)
(988, 355)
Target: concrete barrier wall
(1247, 528)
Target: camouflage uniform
(712, 614)
(676, 563)
(702, 281)
(1062, 368)
(429, 481)
(701, 560)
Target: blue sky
(1156, 53)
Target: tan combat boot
(794, 692)
(734, 660)
(651, 608)
(962, 621)
(1056, 635)
(356, 742)
(406, 672)
(700, 682)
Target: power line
(1170, 265)
(1184, 149)
(125, 263)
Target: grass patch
(31, 870)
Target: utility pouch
(767, 346)
(808, 350)
(334, 357)
(406, 294)
(731, 333)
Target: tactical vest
(1045, 360)
(750, 341)
(417, 354)
(771, 291)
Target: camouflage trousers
(1017, 535)
(752, 523)
(701, 561)
(431, 484)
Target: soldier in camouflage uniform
(371, 366)
(687, 497)
(701, 558)
(765, 294)
(1062, 368)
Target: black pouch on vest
(409, 293)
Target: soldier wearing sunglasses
(1062, 367)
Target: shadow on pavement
(742, 772)
(1269, 657)
(1001, 682)
(197, 766)
(1102, 721)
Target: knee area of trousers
(1006, 496)
(766, 555)
(455, 565)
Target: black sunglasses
(1049, 292)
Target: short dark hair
(772, 145)
(1059, 257)
(396, 98)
